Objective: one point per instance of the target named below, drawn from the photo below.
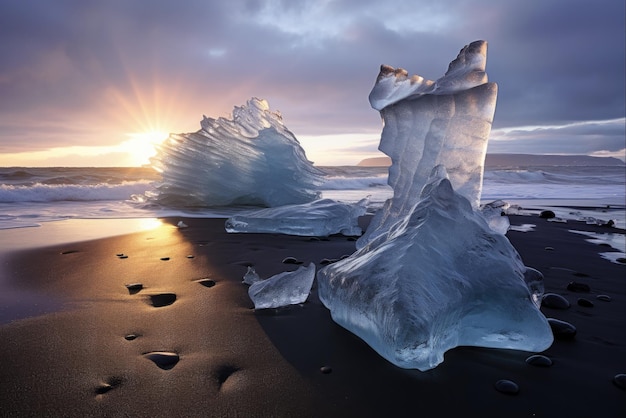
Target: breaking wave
(39, 192)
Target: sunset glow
(141, 146)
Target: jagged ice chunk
(251, 159)
(432, 272)
(439, 279)
(319, 218)
(288, 288)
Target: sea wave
(40, 192)
(354, 183)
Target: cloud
(87, 73)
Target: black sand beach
(188, 343)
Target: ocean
(30, 197)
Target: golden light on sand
(141, 145)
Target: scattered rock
(162, 299)
(291, 260)
(539, 360)
(165, 258)
(586, 303)
(190, 256)
(562, 330)
(134, 288)
(326, 369)
(507, 386)
(620, 381)
(165, 360)
(69, 252)
(122, 256)
(131, 337)
(578, 287)
(552, 300)
(604, 298)
(110, 384)
(547, 214)
(206, 282)
(549, 248)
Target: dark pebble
(165, 360)
(131, 337)
(122, 256)
(134, 288)
(547, 214)
(578, 287)
(326, 369)
(620, 381)
(621, 260)
(162, 299)
(549, 248)
(552, 300)
(105, 387)
(165, 258)
(539, 360)
(206, 282)
(190, 256)
(585, 303)
(291, 260)
(507, 386)
(604, 298)
(562, 330)
(69, 252)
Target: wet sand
(158, 323)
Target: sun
(141, 146)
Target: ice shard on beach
(283, 289)
(430, 273)
(251, 159)
(319, 218)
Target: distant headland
(521, 160)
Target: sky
(97, 83)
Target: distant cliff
(520, 160)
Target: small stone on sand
(326, 369)
(190, 256)
(291, 260)
(620, 381)
(165, 360)
(539, 360)
(134, 288)
(604, 298)
(507, 386)
(122, 256)
(206, 282)
(562, 330)
(131, 337)
(586, 303)
(162, 299)
(552, 300)
(165, 258)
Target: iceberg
(432, 272)
(283, 289)
(251, 159)
(427, 123)
(439, 279)
(319, 218)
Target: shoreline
(233, 360)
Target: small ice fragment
(181, 224)
(251, 276)
(288, 288)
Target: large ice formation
(251, 159)
(440, 278)
(431, 274)
(288, 288)
(319, 218)
(427, 123)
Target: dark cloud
(70, 65)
